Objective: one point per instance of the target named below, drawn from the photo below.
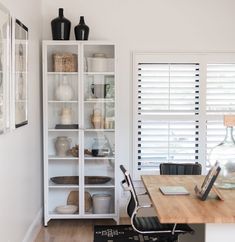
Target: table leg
(219, 232)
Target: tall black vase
(81, 30)
(60, 27)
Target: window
(179, 103)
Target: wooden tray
(74, 180)
(66, 180)
(73, 199)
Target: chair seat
(153, 224)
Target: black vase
(60, 27)
(81, 30)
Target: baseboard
(34, 228)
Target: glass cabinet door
(99, 128)
(62, 79)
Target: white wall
(21, 150)
(147, 25)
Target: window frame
(176, 57)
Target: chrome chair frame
(169, 232)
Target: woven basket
(64, 62)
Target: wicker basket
(64, 62)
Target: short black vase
(81, 30)
(60, 27)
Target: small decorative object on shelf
(100, 90)
(97, 119)
(64, 91)
(66, 115)
(224, 154)
(62, 145)
(100, 147)
(101, 203)
(81, 30)
(73, 199)
(98, 63)
(66, 126)
(60, 27)
(64, 62)
(67, 209)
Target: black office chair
(149, 225)
(180, 169)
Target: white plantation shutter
(179, 104)
(168, 107)
(220, 100)
(220, 88)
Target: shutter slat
(220, 88)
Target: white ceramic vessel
(66, 116)
(101, 203)
(62, 145)
(67, 209)
(64, 91)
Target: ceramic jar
(64, 91)
(98, 63)
(62, 145)
(101, 203)
(66, 116)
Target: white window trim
(176, 57)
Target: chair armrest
(146, 205)
(142, 194)
(125, 186)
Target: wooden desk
(219, 216)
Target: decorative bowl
(67, 209)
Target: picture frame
(20, 72)
(5, 71)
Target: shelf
(99, 100)
(55, 215)
(62, 73)
(53, 157)
(54, 186)
(99, 215)
(109, 184)
(63, 130)
(63, 216)
(21, 101)
(20, 72)
(99, 130)
(55, 101)
(100, 73)
(99, 158)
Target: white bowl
(67, 209)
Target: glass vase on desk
(224, 153)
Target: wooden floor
(72, 230)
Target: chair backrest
(134, 202)
(180, 168)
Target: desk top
(188, 208)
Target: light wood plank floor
(72, 230)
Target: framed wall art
(5, 71)
(20, 70)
